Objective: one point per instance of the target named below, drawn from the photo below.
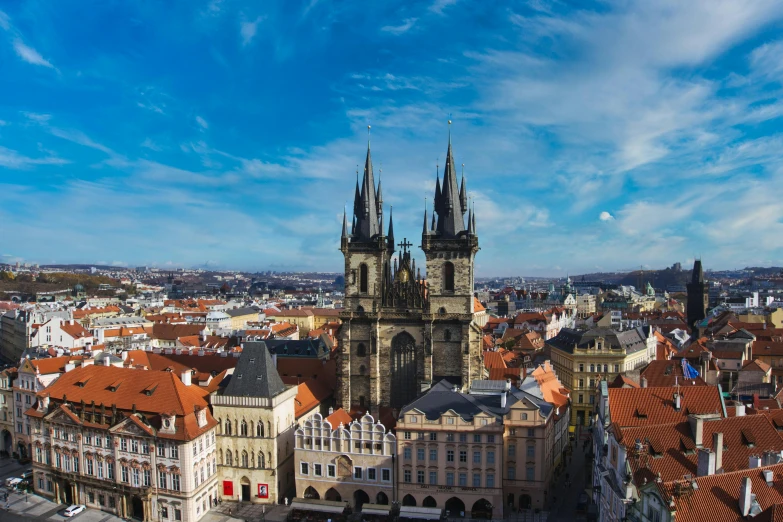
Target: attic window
(655, 447)
(748, 438)
(115, 385)
(239, 376)
(82, 382)
(641, 412)
(252, 360)
(149, 390)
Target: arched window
(448, 276)
(363, 278)
(261, 463)
(227, 431)
(361, 351)
(243, 428)
(592, 368)
(220, 457)
(244, 459)
(260, 429)
(229, 459)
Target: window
(361, 351)
(450, 420)
(433, 454)
(164, 512)
(99, 469)
(112, 502)
(370, 473)
(147, 477)
(330, 470)
(580, 399)
(449, 437)
(512, 450)
(386, 474)
(413, 418)
(162, 483)
(420, 477)
(449, 455)
(175, 482)
(476, 480)
(476, 457)
(490, 480)
(581, 367)
(303, 468)
(124, 444)
(57, 462)
(317, 470)
(476, 437)
(110, 470)
(433, 477)
(490, 457)
(606, 368)
(448, 276)
(406, 476)
(616, 368)
(101, 500)
(88, 466)
(531, 451)
(357, 473)
(124, 473)
(406, 453)
(433, 435)
(407, 435)
(512, 473)
(136, 477)
(463, 437)
(449, 479)
(592, 399)
(463, 479)
(420, 454)
(174, 451)
(592, 368)
(135, 446)
(653, 514)
(363, 278)
(491, 439)
(531, 432)
(581, 383)
(41, 484)
(177, 514)
(530, 473)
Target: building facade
(353, 462)
(583, 359)
(7, 378)
(400, 333)
(255, 414)
(144, 446)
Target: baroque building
(401, 332)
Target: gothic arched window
(448, 276)
(261, 463)
(243, 429)
(260, 429)
(244, 459)
(361, 351)
(363, 278)
(227, 431)
(229, 459)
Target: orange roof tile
(340, 416)
(650, 406)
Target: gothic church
(402, 333)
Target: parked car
(12, 482)
(27, 475)
(73, 510)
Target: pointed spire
(345, 223)
(390, 235)
(366, 211)
(449, 206)
(473, 220)
(438, 195)
(470, 222)
(463, 192)
(434, 225)
(424, 230)
(357, 197)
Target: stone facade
(352, 463)
(400, 333)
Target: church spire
(390, 235)
(463, 192)
(366, 212)
(450, 209)
(424, 230)
(345, 224)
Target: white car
(74, 510)
(12, 482)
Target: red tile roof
(668, 373)
(651, 406)
(493, 360)
(340, 416)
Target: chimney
(677, 401)
(331, 410)
(706, 463)
(754, 462)
(768, 476)
(740, 410)
(697, 429)
(744, 498)
(644, 381)
(185, 377)
(717, 447)
(503, 400)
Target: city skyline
(612, 136)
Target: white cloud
(37, 117)
(149, 144)
(78, 137)
(406, 25)
(5, 21)
(13, 160)
(248, 30)
(439, 5)
(606, 216)
(30, 55)
(201, 121)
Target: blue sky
(596, 137)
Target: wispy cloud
(439, 5)
(605, 216)
(202, 122)
(30, 55)
(402, 28)
(13, 160)
(248, 30)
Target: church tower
(400, 334)
(450, 246)
(698, 297)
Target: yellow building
(304, 319)
(241, 316)
(584, 358)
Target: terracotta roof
(650, 406)
(477, 306)
(502, 374)
(675, 452)
(550, 385)
(493, 360)
(75, 330)
(756, 365)
(668, 373)
(292, 312)
(86, 312)
(171, 332)
(340, 416)
(717, 496)
(309, 395)
(54, 364)
(621, 381)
